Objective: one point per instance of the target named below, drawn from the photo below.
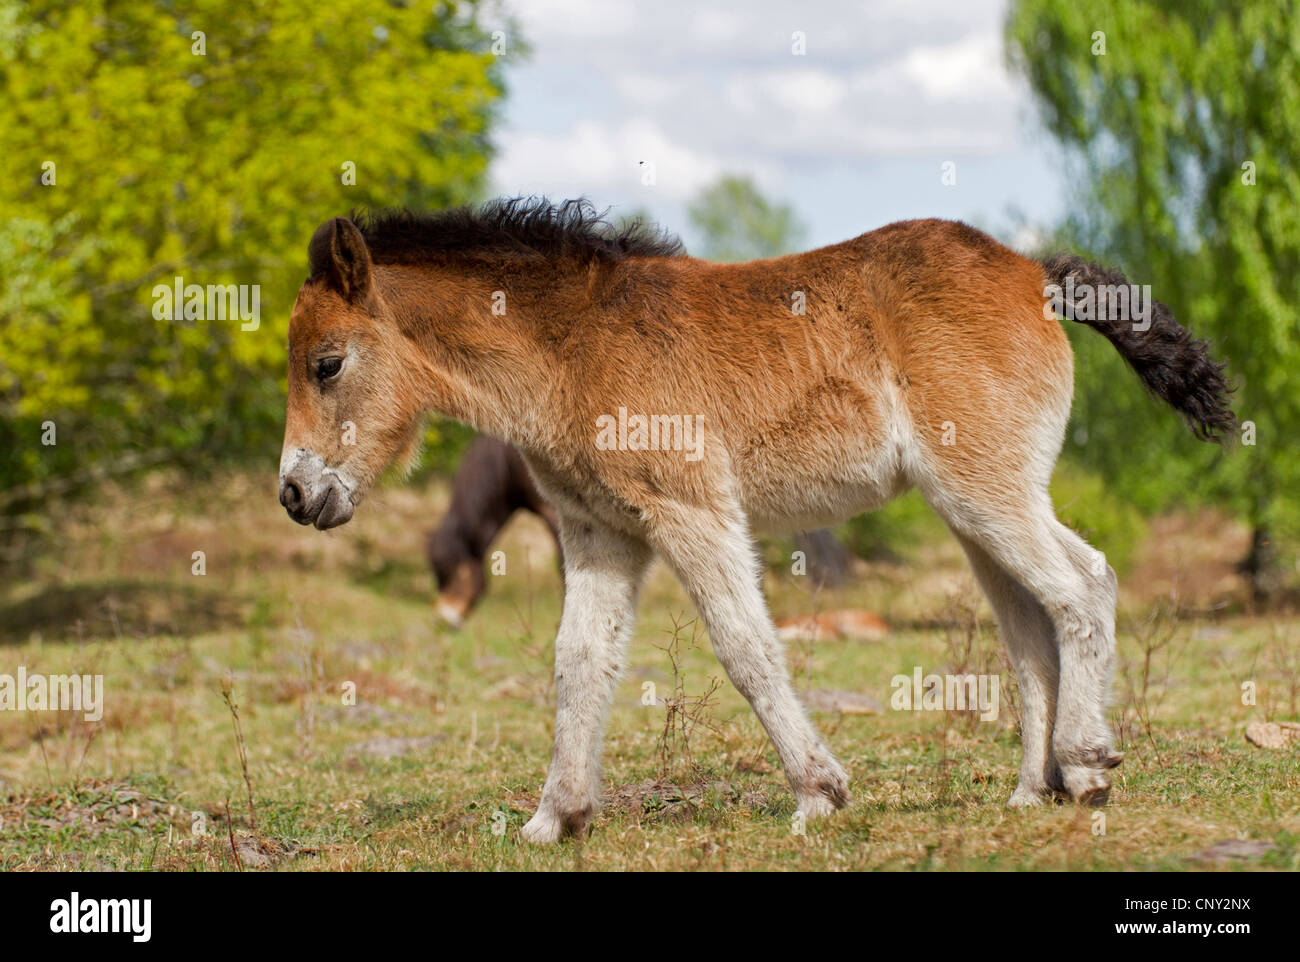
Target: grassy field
(436, 760)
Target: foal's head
(354, 398)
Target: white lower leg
(1081, 737)
(602, 575)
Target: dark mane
(525, 225)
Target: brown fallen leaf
(1274, 735)
(848, 624)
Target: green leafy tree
(737, 223)
(1179, 121)
(148, 141)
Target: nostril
(291, 496)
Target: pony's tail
(1175, 366)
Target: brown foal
(665, 404)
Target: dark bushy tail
(1175, 366)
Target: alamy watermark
(75, 915)
(921, 692)
(1099, 302)
(33, 691)
(651, 432)
(216, 302)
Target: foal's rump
(984, 376)
(985, 369)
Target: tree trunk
(1259, 567)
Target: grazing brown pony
(491, 484)
(665, 404)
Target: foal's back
(830, 381)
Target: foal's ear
(338, 251)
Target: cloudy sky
(853, 133)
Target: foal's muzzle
(313, 493)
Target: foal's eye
(327, 367)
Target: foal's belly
(811, 507)
(838, 454)
(816, 486)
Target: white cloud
(647, 89)
(739, 95)
(969, 70)
(715, 28)
(590, 157)
(815, 90)
(548, 22)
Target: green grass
(291, 615)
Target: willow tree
(1178, 120)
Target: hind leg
(1076, 588)
(1030, 639)
(1082, 737)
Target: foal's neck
(478, 351)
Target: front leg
(602, 575)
